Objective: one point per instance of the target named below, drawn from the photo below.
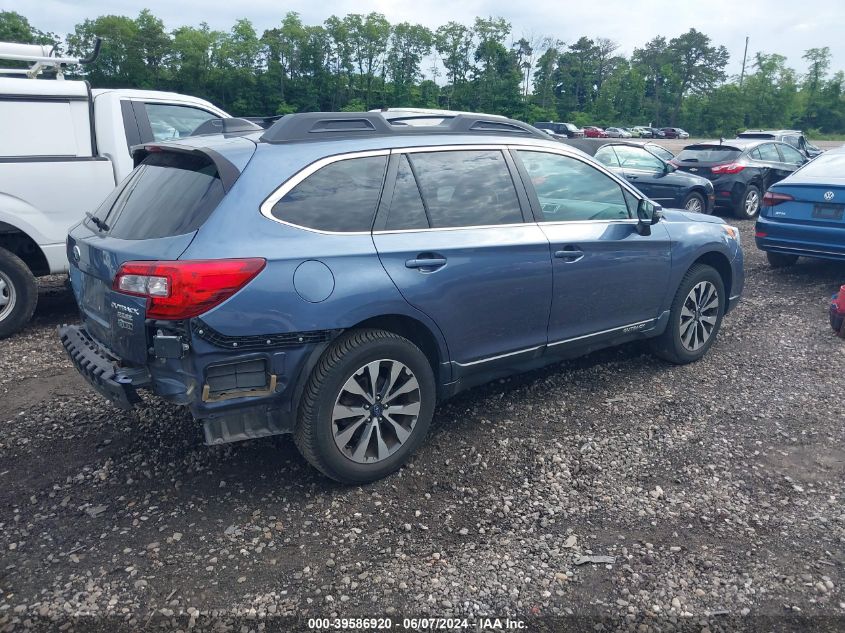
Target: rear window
(708, 154)
(167, 194)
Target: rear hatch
(153, 215)
(810, 204)
(701, 159)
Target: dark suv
(568, 130)
(795, 138)
(335, 276)
(741, 170)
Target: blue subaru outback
(337, 275)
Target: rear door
(452, 236)
(608, 278)
(771, 165)
(153, 215)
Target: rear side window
(466, 188)
(341, 197)
(407, 211)
(167, 194)
(170, 121)
(769, 152)
(708, 154)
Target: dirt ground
(716, 487)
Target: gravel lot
(717, 488)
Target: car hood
(678, 215)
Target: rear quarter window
(167, 194)
(340, 197)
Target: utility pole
(744, 56)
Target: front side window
(466, 188)
(637, 158)
(572, 190)
(342, 196)
(791, 155)
(170, 122)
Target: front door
(452, 236)
(607, 277)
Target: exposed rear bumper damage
(102, 372)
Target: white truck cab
(63, 148)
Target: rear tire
(367, 406)
(695, 203)
(749, 205)
(781, 260)
(18, 293)
(695, 317)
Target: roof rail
(41, 57)
(229, 125)
(321, 126)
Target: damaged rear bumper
(100, 369)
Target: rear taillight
(185, 289)
(727, 168)
(772, 199)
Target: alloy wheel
(8, 297)
(694, 205)
(699, 315)
(752, 203)
(376, 411)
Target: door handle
(426, 264)
(569, 254)
(631, 177)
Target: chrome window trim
(266, 207)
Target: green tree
(699, 67)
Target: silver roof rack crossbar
(41, 58)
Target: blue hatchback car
(802, 215)
(336, 275)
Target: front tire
(695, 317)
(749, 205)
(18, 293)
(367, 406)
(695, 203)
(781, 260)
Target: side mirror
(648, 214)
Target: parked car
(591, 131)
(802, 215)
(682, 134)
(642, 131)
(654, 177)
(741, 170)
(672, 132)
(337, 309)
(567, 130)
(617, 132)
(659, 151)
(64, 147)
(795, 138)
(657, 133)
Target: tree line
(358, 62)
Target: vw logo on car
(77, 254)
(828, 195)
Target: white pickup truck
(63, 148)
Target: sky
(774, 26)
